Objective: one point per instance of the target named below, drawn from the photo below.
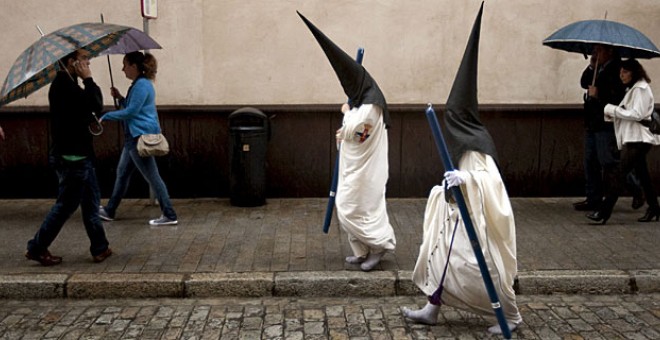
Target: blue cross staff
(472, 235)
(335, 173)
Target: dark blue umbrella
(581, 36)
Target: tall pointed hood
(359, 86)
(464, 128)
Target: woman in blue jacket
(139, 116)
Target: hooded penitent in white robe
(492, 217)
(363, 173)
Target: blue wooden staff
(335, 173)
(472, 235)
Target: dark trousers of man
(78, 186)
(601, 158)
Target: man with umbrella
(601, 156)
(72, 156)
(62, 57)
(606, 41)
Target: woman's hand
(115, 93)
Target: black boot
(637, 201)
(652, 213)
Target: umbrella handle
(112, 82)
(593, 80)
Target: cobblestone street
(545, 317)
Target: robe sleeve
(357, 125)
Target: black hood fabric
(462, 124)
(359, 86)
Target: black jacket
(71, 110)
(610, 91)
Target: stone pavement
(279, 249)
(626, 316)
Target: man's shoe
(104, 214)
(162, 220)
(599, 216)
(585, 206)
(102, 256)
(46, 259)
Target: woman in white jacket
(633, 139)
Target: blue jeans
(129, 160)
(77, 187)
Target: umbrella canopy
(581, 36)
(37, 66)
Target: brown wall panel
(420, 164)
(540, 150)
(299, 162)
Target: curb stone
(301, 284)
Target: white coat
(636, 105)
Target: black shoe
(637, 202)
(652, 213)
(585, 206)
(598, 216)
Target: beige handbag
(152, 145)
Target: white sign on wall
(150, 9)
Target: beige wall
(218, 52)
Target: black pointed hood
(463, 126)
(359, 86)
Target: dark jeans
(601, 158)
(633, 157)
(77, 187)
(129, 160)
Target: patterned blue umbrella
(581, 36)
(37, 66)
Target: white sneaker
(104, 215)
(162, 220)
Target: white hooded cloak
(363, 174)
(492, 217)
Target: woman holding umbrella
(140, 117)
(633, 139)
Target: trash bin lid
(248, 116)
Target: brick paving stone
(285, 235)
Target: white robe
(492, 218)
(363, 174)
